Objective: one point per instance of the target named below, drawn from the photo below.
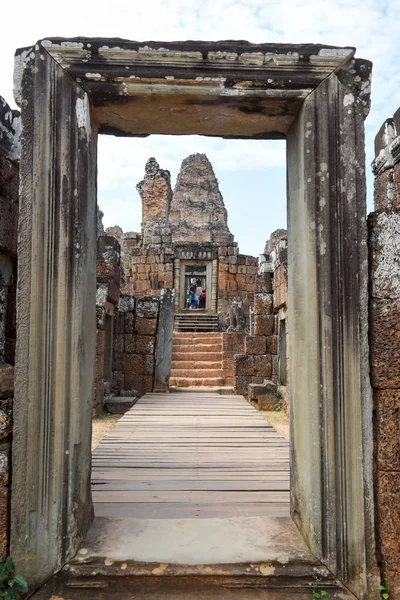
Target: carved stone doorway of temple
(316, 97)
(195, 281)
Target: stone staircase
(196, 360)
(196, 321)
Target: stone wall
(134, 348)
(261, 370)
(275, 255)
(236, 281)
(384, 316)
(232, 345)
(9, 180)
(258, 364)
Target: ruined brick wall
(9, 175)
(384, 317)
(108, 279)
(134, 346)
(258, 362)
(276, 257)
(236, 281)
(257, 372)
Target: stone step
(204, 338)
(200, 364)
(200, 347)
(192, 382)
(196, 322)
(109, 579)
(197, 356)
(197, 373)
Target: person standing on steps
(202, 299)
(192, 294)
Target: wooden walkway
(187, 455)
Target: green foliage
(11, 586)
(321, 595)
(278, 406)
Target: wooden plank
(191, 455)
(187, 485)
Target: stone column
(330, 396)
(165, 330)
(51, 506)
(214, 286)
(177, 281)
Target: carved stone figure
(235, 314)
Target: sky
(251, 174)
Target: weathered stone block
(119, 342)
(133, 380)
(263, 324)
(119, 323)
(385, 343)
(232, 286)
(117, 383)
(233, 342)
(4, 522)
(263, 366)
(145, 326)
(388, 509)
(120, 404)
(272, 344)
(387, 429)
(243, 364)
(5, 425)
(385, 135)
(6, 381)
(384, 250)
(99, 367)
(145, 344)
(222, 251)
(147, 383)
(147, 308)
(396, 186)
(5, 458)
(241, 384)
(130, 343)
(265, 394)
(263, 304)
(133, 363)
(260, 365)
(126, 303)
(129, 322)
(263, 283)
(100, 339)
(256, 344)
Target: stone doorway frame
(316, 97)
(211, 301)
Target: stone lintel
(259, 86)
